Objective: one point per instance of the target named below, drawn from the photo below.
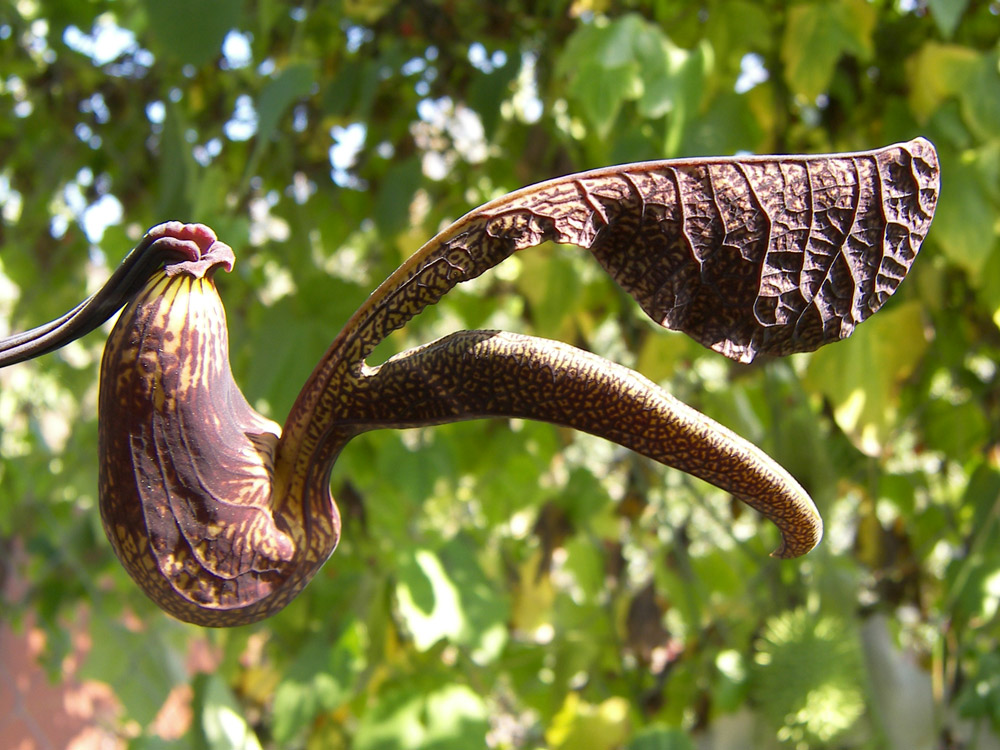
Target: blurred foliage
(511, 584)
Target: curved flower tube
(222, 516)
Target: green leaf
(446, 595)
(601, 92)
(974, 583)
(981, 99)
(191, 31)
(585, 562)
(745, 26)
(506, 479)
(222, 719)
(414, 716)
(607, 44)
(428, 600)
(550, 282)
(283, 332)
(659, 737)
(143, 665)
(946, 71)
(940, 71)
(659, 60)
(176, 167)
(808, 677)
(320, 679)
(957, 430)
(281, 92)
(947, 14)
(392, 207)
(817, 35)
(862, 376)
(486, 610)
(341, 93)
(600, 64)
(964, 223)
(980, 695)
(290, 85)
(673, 83)
(631, 59)
(487, 92)
(728, 125)
(597, 727)
(367, 11)
(989, 292)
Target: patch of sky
(347, 144)
(107, 40)
(413, 66)
(526, 102)
(204, 152)
(432, 110)
(108, 44)
(236, 50)
(86, 135)
(300, 118)
(93, 217)
(156, 112)
(11, 200)
(36, 41)
(447, 132)
(243, 124)
(356, 36)
(15, 86)
(302, 188)
(96, 106)
(106, 211)
(752, 72)
(480, 59)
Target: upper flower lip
(175, 247)
(199, 251)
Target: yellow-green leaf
(817, 35)
(222, 719)
(409, 716)
(947, 14)
(939, 71)
(578, 724)
(964, 225)
(862, 376)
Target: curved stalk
(476, 374)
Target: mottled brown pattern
(186, 476)
(769, 255)
(222, 518)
